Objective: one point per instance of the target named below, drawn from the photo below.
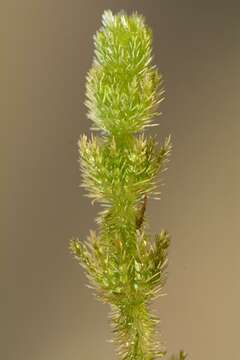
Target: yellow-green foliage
(120, 170)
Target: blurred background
(47, 312)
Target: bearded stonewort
(120, 169)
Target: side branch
(140, 219)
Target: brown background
(47, 311)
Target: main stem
(135, 327)
(133, 324)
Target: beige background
(47, 312)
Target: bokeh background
(47, 312)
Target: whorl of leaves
(123, 87)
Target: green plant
(121, 170)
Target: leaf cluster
(112, 173)
(123, 87)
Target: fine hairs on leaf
(121, 169)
